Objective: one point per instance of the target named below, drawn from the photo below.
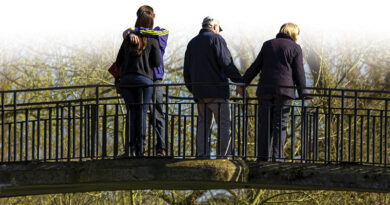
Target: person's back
(280, 62)
(140, 64)
(207, 66)
(209, 62)
(137, 62)
(279, 56)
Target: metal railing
(88, 122)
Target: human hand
(134, 39)
(239, 90)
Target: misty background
(58, 43)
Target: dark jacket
(281, 64)
(139, 64)
(208, 64)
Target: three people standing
(208, 65)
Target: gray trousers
(207, 108)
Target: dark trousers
(137, 101)
(273, 115)
(157, 115)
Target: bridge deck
(29, 178)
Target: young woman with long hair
(137, 62)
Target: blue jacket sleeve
(160, 33)
(225, 60)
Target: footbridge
(73, 139)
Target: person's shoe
(278, 160)
(262, 159)
(224, 157)
(202, 157)
(123, 156)
(161, 153)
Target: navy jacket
(139, 64)
(281, 64)
(208, 61)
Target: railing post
(154, 135)
(233, 143)
(303, 157)
(373, 138)
(57, 130)
(342, 128)
(69, 130)
(21, 142)
(206, 137)
(386, 129)
(81, 130)
(368, 135)
(329, 124)
(15, 125)
(93, 131)
(44, 140)
(244, 125)
(26, 135)
(179, 130)
(381, 138)
(219, 153)
(192, 128)
(316, 134)
(337, 137)
(292, 133)
(166, 117)
(62, 133)
(97, 127)
(38, 131)
(74, 131)
(2, 127)
(116, 130)
(355, 127)
(104, 140)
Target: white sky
(71, 19)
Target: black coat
(208, 61)
(281, 64)
(139, 64)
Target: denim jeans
(137, 101)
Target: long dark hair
(145, 20)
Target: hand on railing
(239, 90)
(308, 97)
